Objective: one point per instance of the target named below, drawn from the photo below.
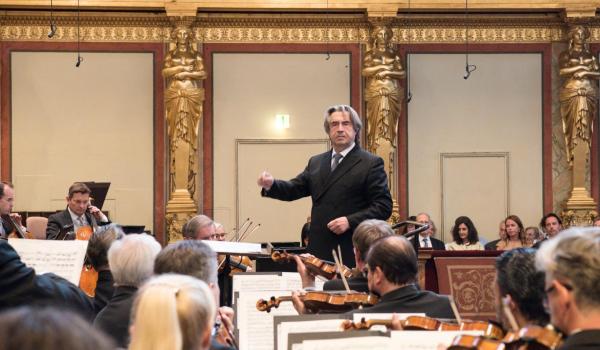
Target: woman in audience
(465, 235)
(173, 312)
(48, 328)
(532, 235)
(515, 234)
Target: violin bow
(508, 313)
(455, 309)
(229, 332)
(248, 233)
(339, 267)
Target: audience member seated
(196, 259)
(48, 328)
(172, 312)
(425, 239)
(200, 227)
(19, 285)
(465, 235)
(365, 234)
(501, 236)
(131, 262)
(96, 254)
(532, 235)
(552, 225)
(571, 263)
(518, 282)
(515, 234)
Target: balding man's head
(396, 257)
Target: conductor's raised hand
(265, 180)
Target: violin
(327, 302)
(17, 230)
(238, 263)
(530, 337)
(313, 264)
(424, 323)
(89, 275)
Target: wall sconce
(282, 121)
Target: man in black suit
(7, 200)
(425, 241)
(501, 234)
(79, 213)
(571, 267)
(551, 224)
(392, 274)
(347, 184)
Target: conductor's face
(341, 130)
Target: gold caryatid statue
(183, 70)
(384, 95)
(578, 108)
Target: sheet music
(414, 340)
(256, 327)
(239, 248)
(64, 258)
(260, 281)
(356, 343)
(305, 326)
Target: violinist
(200, 227)
(518, 281)
(571, 265)
(79, 213)
(7, 198)
(365, 234)
(196, 259)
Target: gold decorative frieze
(277, 28)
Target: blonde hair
(172, 312)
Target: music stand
(99, 191)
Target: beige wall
(92, 123)
(498, 110)
(249, 89)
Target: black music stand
(99, 191)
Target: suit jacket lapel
(347, 163)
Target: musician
(219, 232)
(571, 263)
(131, 261)
(200, 227)
(522, 285)
(79, 213)
(365, 234)
(19, 285)
(7, 199)
(426, 240)
(347, 184)
(196, 259)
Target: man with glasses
(347, 185)
(200, 227)
(571, 262)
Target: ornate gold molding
(277, 28)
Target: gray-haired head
(356, 122)
(198, 222)
(131, 259)
(573, 259)
(188, 257)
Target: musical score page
(256, 327)
(63, 258)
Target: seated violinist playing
(391, 274)
(571, 263)
(522, 287)
(365, 234)
(7, 218)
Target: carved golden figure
(383, 92)
(183, 69)
(579, 93)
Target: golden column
(384, 96)
(578, 108)
(183, 70)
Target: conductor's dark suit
(356, 189)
